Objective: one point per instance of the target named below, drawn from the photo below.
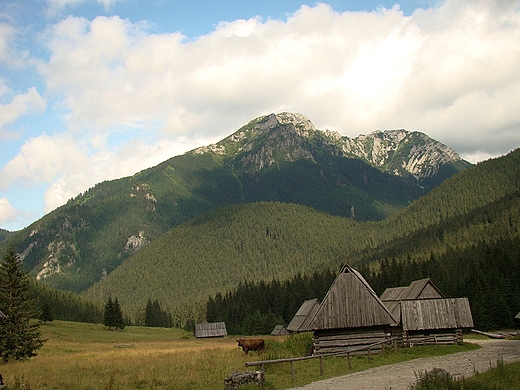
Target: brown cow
(251, 345)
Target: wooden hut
(350, 316)
(303, 317)
(425, 316)
(279, 330)
(435, 321)
(418, 289)
(210, 329)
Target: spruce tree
(46, 313)
(119, 322)
(108, 319)
(19, 338)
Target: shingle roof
(423, 288)
(303, 316)
(279, 330)
(446, 313)
(210, 329)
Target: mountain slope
(273, 158)
(261, 241)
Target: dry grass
(85, 356)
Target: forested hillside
(281, 158)
(265, 241)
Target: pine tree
(19, 339)
(46, 313)
(108, 319)
(117, 314)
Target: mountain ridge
(277, 157)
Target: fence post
(395, 345)
(292, 370)
(368, 355)
(321, 365)
(349, 363)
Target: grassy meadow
(86, 356)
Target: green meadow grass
(86, 356)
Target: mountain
(281, 158)
(264, 241)
(4, 234)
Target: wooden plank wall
(446, 336)
(343, 340)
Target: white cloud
(21, 104)
(7, 212)
(451, 68)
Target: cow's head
(240, 342)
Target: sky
(94, 90)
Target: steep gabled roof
(210, 329)
(418, 289)
(351, 303)
(279, 330)
(445, 313)
(304, 315)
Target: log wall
(344, 340)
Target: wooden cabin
(350, 316)
(435, 321)
(279, 330)
(303, 317)
(418, 289)
(210, 329)
(425, 316)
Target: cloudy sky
(92, 90)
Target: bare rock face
(287, 137)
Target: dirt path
(401, 375)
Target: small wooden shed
(304, 315)
(516, 320)
(351, 315)
(210, 329)
(435, 321)
(418, 289)
(279, 330)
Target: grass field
(86, 356)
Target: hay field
(86, 356)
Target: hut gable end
(351, 303)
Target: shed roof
(351, 303)
(279, 330)
(210, 329)
(446, 313)
(418, 289)
(303, 316)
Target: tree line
(488, 274)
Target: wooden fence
(380, 345)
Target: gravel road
(401, 375)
